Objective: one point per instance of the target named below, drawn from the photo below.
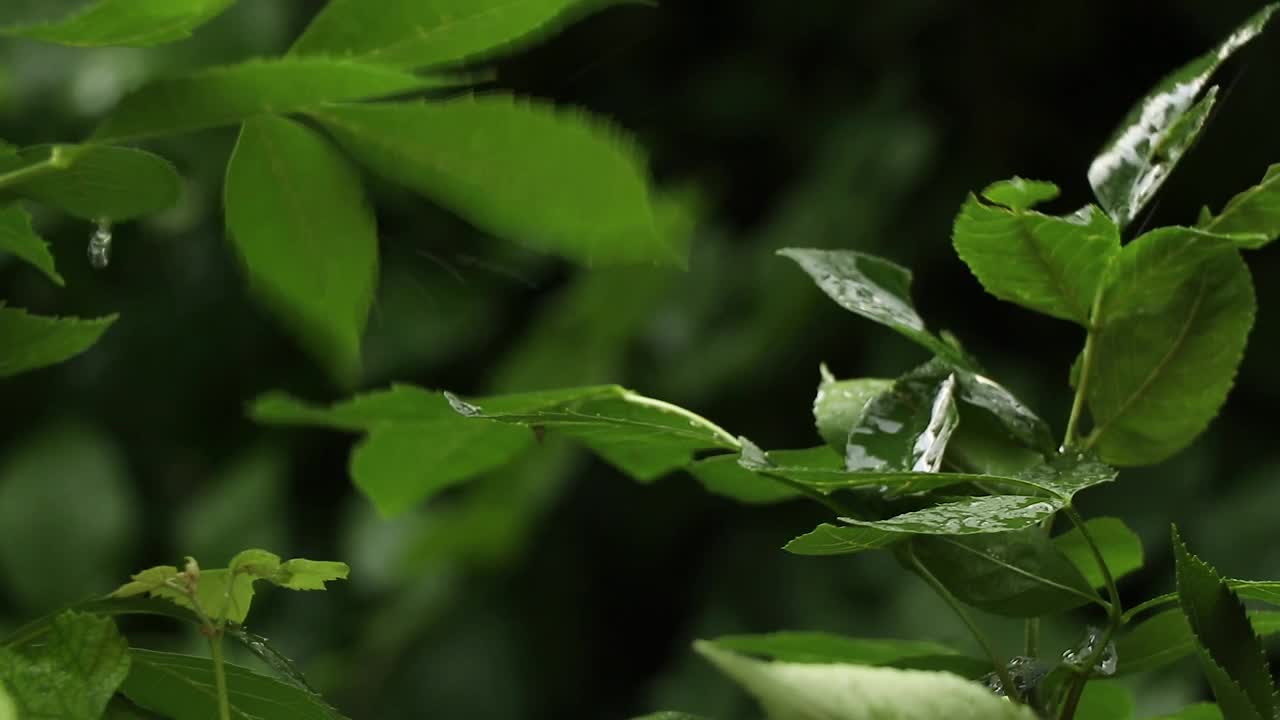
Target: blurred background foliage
(555, 587)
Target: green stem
(1146, 605)
(1115, 618)
(57, 159)
(1031, 633)
(220, 675)
(1001, 668)
(1082, 385)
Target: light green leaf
(1121, 549)
(28, 341)
(839, 405)
(1019, 193)
(233, 93)
(1106, 700)
(125, 22)
(299, 219)
(182, 687)
(1166, 637)
(411, 34)
(72, 674)
(1044, 263)
(554, 179)
(874, 288)
(1199, 711)
(8, 709)
(816, 647)
(20, 240)
(828, 539)
(1253, 216)
(794, 691)
(1160, 128)
(724, 475)
(92, 182)
(1173, 321)
(303, 574)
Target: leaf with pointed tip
(1231, 654)
(299, 219)
(1160, 128)
(1019, 193)
(1166, 637)
(72, 674)
(230, 94)
(556, 180)
(1045, 263)
(28, 341)
(92, 182)
(1173, 321)
(828, 539)
(798, 691)
(408, 34)
(18, 239)
(1121, 548)
(1253, 216)
(874, 288)
(136, 23)
(724, 475)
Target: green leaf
(182, 687)
(28, 342)
(905, 429)
(1019, 574)
(1199, 711)
(303, 574)
(1253, 216)
(125, 22)
(70, 676)
(554, 179)
(794, 691)
(20, 240)
(1160, 128)
(874, 288)
(839, 405)
(411, 34)
(298, 216)
(822, 648)
(977, 391)
(828, 539)
(1173, 321)
(1106, 700)
(1121, 549)
(233, 93)
(92, 182)
(1166, 637)
(1019, 193)
(724, 475)
(8, 708)
(1048, 264)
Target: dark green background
(557, 588)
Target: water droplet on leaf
(1105, 664)
(100, 245)
(461, 406)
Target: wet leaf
(839, 405)
(970, 516)
(72, 674)
(905, 429)
(828, 539)
(1253, 216)
(28, 341)
(1166, 637)
(1121, 549)
(979, 391)
(18, 239)
(92, 182)
(135, 23)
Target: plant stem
(57, 159)
(1115, 618)
(220, 675)
(1001, 669)
(1031, 633)
(1144, 606)
(1082, 385)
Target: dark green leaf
(1232, 655)
(981, 392)
(410, 34)
(125, 22)
(20, 240)
(231, 94)
(554, 179)
(827, 539)
(1106, 700)
(1175, 315)
(1019, 193)
(1253, 216)
(28, 342)
(905, 429)
(93, 182)
(1044, 263)
(72, 674)
(839, 405)
(875, 289)
(1120, 547)
(816, 647)
(182, 687)
(1019, 574)
(1159, 129)
(724, 475)
(299, 219)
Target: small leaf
(827, 539)
(72, 674)
(92, 182)
(20, 240)
(230, 94)
(28, 342)
(1160, 128)
(1121, 549)
(875, 289)
(794, 691)
(1019, 193)
(411, 34)
(303, 574)
(135, 23)
(1253, 216)
(298, 216)
(1048, 264)
(1232, 655)
(839, 405)
(557, 180)
(822, 648)
(1173, 321)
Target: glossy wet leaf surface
(970, 516)
(30, 341)
(71, 674)
(905, 429)
(828, 539)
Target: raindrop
(1080, 654)
(1026, 674)
(462, 406)
(100, 245)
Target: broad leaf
(18, 239)
(1166, 637)
(724, 475)
(1018, 574)
(182, 687)
(828, 539)
(816, 647)
(233, 93)
(125, 22)
(839, 405)
(411, 34)
(93, 182)
(1232, 655)
(1121, 549)
(874, 288)
(1175, 315)
(28, 342)
(1160, 128)
(554, 179)
(795, 691)
(72, 674)
(1052, 265)
(1253, 216)
(299, 219)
